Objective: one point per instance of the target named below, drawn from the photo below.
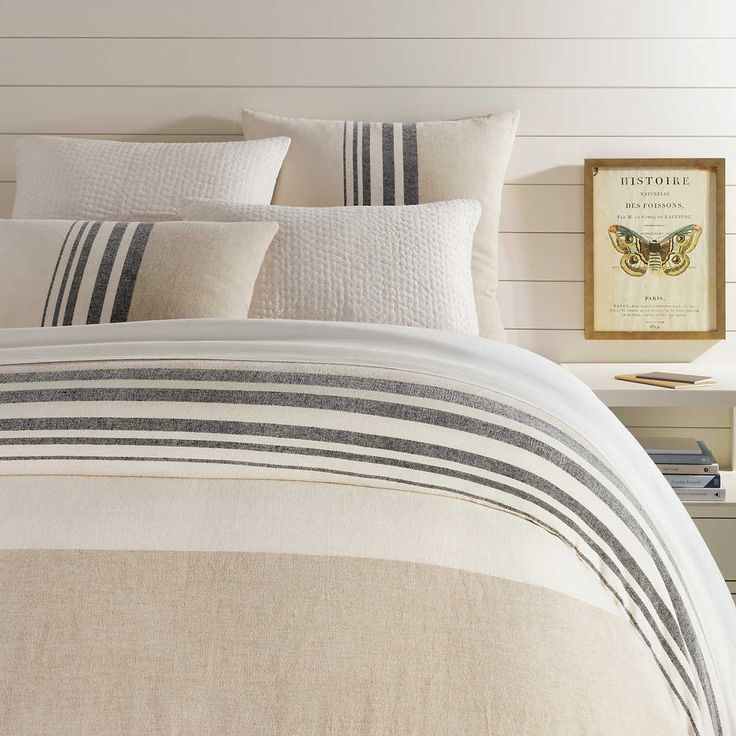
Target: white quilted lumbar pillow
(74, 178)
(403, 265)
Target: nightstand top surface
(599, 377)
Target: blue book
(694, 481)
(704, 457)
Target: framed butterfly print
(655, 249)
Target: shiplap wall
(591, 78)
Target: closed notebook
(670, 445)
(633, 378)
(675, 377)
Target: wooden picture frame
(628, 264)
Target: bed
(282, 527)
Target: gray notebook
(670, 445)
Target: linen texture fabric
(339, 162)
(74, 178)
(60, 272)
(262, 526)
(408, 265)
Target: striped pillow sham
(340, 162)
(59, 272)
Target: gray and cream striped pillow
(57, 272)
(337, 162)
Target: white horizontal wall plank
(536, 305)
(559, 257)
(442, 18)
(559, 160)
(370, 62)
(208, 110)
(556, 305)
(559, 209)
(674, 416)
(540, 257)
(570, 346)
(542, 209)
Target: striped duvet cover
(297, 528)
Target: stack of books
(688, 466)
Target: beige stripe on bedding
(293, 517)
(220, 643)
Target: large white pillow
(407, 265)
(75, 178)
(349, 162)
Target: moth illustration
(668, 255)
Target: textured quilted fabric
(74, 178)
(404, 265)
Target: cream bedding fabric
(255, 527)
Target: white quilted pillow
(404, 265)
(74, 178)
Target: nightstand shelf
(716, 520)
(600, 378)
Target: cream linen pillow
(405, 265)
(57, 272)
(337, 162)
(74, 178)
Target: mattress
(279, 527)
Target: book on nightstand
(700, 494)
(693, 481)
(667, 380)
(688, 466)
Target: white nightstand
(715, 519)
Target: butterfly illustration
(640, 254)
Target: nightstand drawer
(720, 536)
